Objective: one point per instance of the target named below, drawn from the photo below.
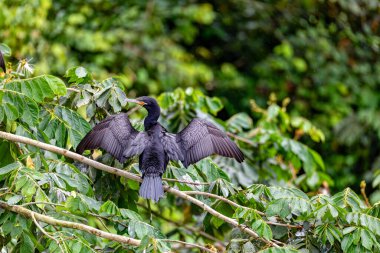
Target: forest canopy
(293, 83)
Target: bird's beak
(136, 101)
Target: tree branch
(211, 195)
(115, 171)
(192, 245)
(68, 224)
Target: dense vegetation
(292, 82)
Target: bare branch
(122, 173)
(68, 224)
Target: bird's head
(149, 103)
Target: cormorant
(156, 146)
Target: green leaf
(20, 182)
(365, 220)
(288, 200)
(366, 239)
(262, 228)
(302, 152)
(78, 75)
(109, 208)
(76, 205)
(28, 189)
(214, 105)
(279, 250)
(140, 229)
(41, 197)
(18, 105)
(211, 170)
(27, 245)
(10, 111)
(240, 121)
(7, 227)
(132, 215)
(38, 88)
(80, 72)
(9, 168)
(328, 232)
(348, 199)
(14, 199)
(280, 207)
(76, 126)
(5, 50)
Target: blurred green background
(322, 54)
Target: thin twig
(42, 229)
(134, 109)
(46, 233)
(73, 89)
(211, 195)
(41, 203)
(362, 190)
(241, 139)
(122, 173)
(184, 181)
(189, 228)
(192, 245)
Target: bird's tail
(151, 187)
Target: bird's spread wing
(117, 136)
(2, 62)
(171, 146)
(201, 139)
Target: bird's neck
(152, 118)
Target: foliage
(321, 54)
(265, 189)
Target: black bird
(2, 62)
(156, 146)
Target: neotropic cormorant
(156, 146)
